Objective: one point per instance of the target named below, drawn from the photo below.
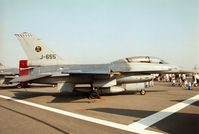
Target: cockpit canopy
(145, 59)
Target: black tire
(94, 95)
(142, 92)
(19, 86)
(22, 85)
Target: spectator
(197, 78)
(194, 80)
(184, 82)
(173, 78)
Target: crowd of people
(178, 79)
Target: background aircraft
(44, 66)
(6, 74)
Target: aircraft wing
(84, 73)
(109, 73)
(29, 78)
(148, 71)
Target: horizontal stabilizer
(29, 78)
(7, 74)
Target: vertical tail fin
(37, 52)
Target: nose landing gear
(142, 92)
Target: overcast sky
(100, 31)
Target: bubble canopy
(145, 59)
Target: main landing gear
(22, 85)
(94, 94)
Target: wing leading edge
(84, 73)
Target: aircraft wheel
(142, 92)
(19, 86)
(94, 95)
(22, 85)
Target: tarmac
(42, 109)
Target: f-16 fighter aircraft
(6, 74)
(44, 66)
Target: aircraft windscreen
(145, 59)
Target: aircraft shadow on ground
(134, 92)
(76, 97)
(156, 90)
(29, 94)
(71, 98)
(8, 87)
(124, 112)
(68, 97)
(179, 123)
(39, 86)
(194, 104)
(58, 97)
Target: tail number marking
(48, 56)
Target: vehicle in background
(7, 74)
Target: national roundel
(37, 48)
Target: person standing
(197, 78)
(173, 78)
(183, 80)
(194, 80)
(179, 80)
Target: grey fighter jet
(7, 74)
(45, 66)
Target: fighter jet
(45, 66)
(6, 74)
